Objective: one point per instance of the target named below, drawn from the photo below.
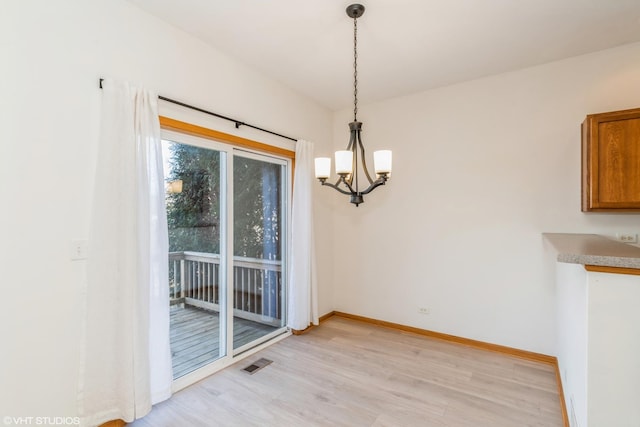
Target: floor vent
(257, 365)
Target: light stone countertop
(592, 249)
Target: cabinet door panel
(611, 161)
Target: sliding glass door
(226, 212)
(259, 228)
(196, 182)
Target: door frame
(229, 144)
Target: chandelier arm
(375, 184)
(337, 188)
(351, 147)
(347, 184)
(354, 167)
(364, 162)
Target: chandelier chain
(355, 69)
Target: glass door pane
(259, 236)
(195, 192)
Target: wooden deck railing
(194, 279)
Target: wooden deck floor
(195, 339)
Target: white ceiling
(404, 46)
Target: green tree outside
(193, 215)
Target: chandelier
(347, 161)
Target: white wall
(53, 54)
(481, 169)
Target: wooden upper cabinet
(611, 162)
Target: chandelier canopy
(347, 161)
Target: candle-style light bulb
(323, 167)
(344, 162)
(382, 162)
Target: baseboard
(509, 351)
(308, 328)
(326, 316)
(523, 354)
(563, 403)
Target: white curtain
(126, 359)
(303, 292)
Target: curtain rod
(238, 123)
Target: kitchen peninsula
(598, 328)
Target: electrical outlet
(424, 310)
(627, 237)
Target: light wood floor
(350, 373)
(195, 337)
